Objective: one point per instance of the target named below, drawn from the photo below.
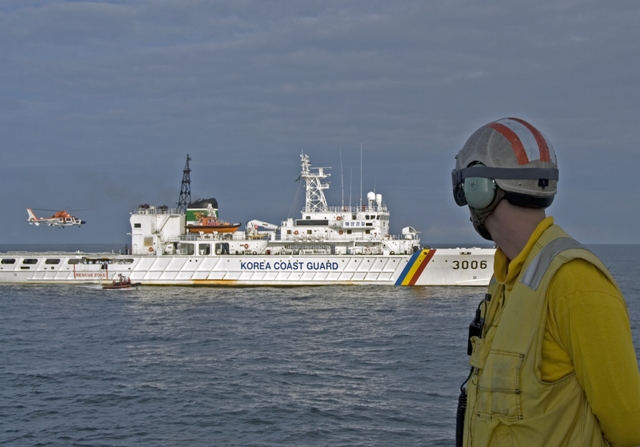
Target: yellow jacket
(565, 372)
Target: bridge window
(222, 248)
(8, 261)
(30, 261)
(137, 225)
(186, 249)
(204, 249)
(52, 261)
(73, 261)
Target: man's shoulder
(578, 277)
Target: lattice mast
(185, 188)
(315, 199)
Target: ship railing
(306, 250)
(148, 209)
(348, 209)
(195, 237)
(260, 236)
(189, 237)
(345, 238)
(397, 237)
(205, 237)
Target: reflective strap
(538, 267)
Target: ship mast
(185, 188)
(315, 200)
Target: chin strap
(479, 216)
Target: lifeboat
(207, 224)
(202, 217)
(121, 283)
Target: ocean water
(304, 366)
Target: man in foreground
(553, 362)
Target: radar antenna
(185, 188)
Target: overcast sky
(100, 101)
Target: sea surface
(303, 366)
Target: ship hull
(426, 267)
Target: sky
(101, 101)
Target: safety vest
(508, 404)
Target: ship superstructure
(321, 229)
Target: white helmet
(513, 155)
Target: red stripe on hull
(425, 261)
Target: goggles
(543, 175)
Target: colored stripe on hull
(415, 267)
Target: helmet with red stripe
(508, 155)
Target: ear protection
(479, 192)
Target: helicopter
(60, 219)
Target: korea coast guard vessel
(327, 245)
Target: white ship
(327, 245)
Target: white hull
(427, 267)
